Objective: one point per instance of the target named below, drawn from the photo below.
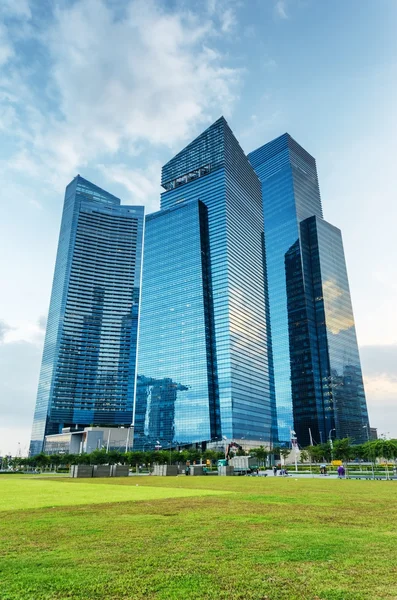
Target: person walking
(341, 472)
(275, 470)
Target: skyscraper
(88, 369)
(203, 368)
(317, 372)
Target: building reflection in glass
(290, 193)
(203, 314)
(88, 369)
(326, 379)
(311, 319)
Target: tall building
(203, 369)
(88, 370)
(317, 371)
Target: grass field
(204, 538)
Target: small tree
(261, 454)
(115, 457)
(210, 455)
(343, 451)
(98, 457)
(56, 460)
(42, 461)
(68, 459)
(320, 452)
(304, 455)
(386, 449)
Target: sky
(112, 89)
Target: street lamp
(294, 444)
(330, 442)
(225, 439)
(130, 428)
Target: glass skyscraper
(317, 372)
(203, 370)
(88, 369)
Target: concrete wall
(81, 471)
(226, 471)
(165, 470)
(102, 471)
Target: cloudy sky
(111, 89)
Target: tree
(358, 451)
(42, 460)
(386, 449)
(98, 457)
(342, 449)
(135, 458)
(116, 457)
(320, 452)
(82, 459)
(304, 455)
(261, 454)
(56, 460)
(68, 459)
(210, 455)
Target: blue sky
(112, 89)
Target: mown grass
(273, 539)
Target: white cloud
(229, 21)
(381, 392)
(379, 364)
(6, 48)
(269, 64)
(15, 8)
(19, 371)
(261, 127)
(22, 331)
(280, 9)
(142, 184)
(5, 328)
(149, 76)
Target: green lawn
(204, 538)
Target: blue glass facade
(344, 406)
(177, 396)
(89, 361)
(204, 351)
(301, 341)
(290, 194)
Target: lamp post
(330, 442)
(294, 444)
(225, 439)
(130, 428)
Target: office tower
(203, 368)
(317, 372)
(88, 369)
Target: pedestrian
(341, 472)
(275, 470)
